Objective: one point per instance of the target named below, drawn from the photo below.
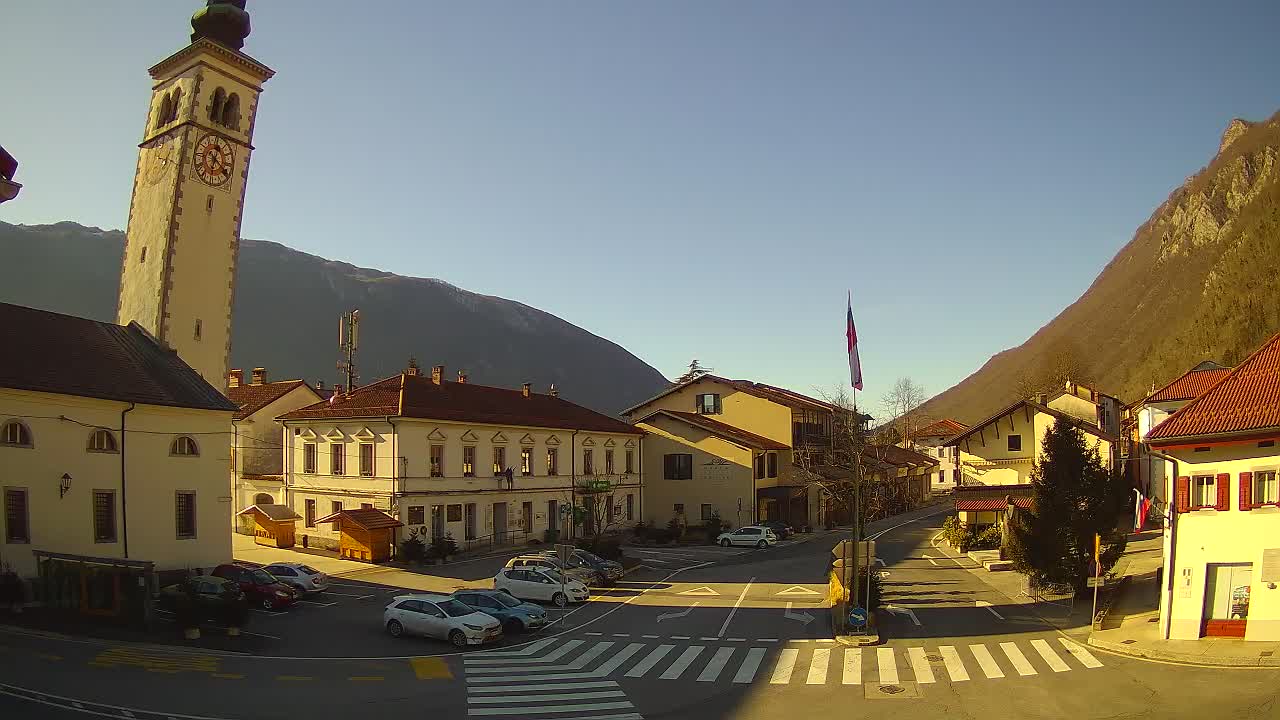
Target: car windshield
(262, 577)
(555, 576)
(453, 608)
(506, 600)
(590, 557)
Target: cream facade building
(257, 437)
(931, 440)
(481, 464)
(1222, 542)
(111, 446)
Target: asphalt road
(698, 633)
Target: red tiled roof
(986, 498)
(715, 427)
(418, 397)
(55, 353)
(1190, 386)
(367, 518)
(989, 504)
(252, 398)
(900, 456)
(1248, 398)
(945, 427)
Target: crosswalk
(581, 675)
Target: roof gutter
(124, 495)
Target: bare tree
(694, 372)
(1063, 362)
(902, 403)
(598, 515)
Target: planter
(191, 633)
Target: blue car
(515, 615)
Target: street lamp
(65, 487)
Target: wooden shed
(273, 525)
(365, 534)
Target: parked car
(534, 582)
(515, 616)
(607, 571)
(440, 616)
(752, 535)
(298, 576)
(779, 528)
(214, 598)
(586, 575)
(261, 587)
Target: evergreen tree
(694, 372)
(1074, 496)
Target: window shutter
(668, 467)
(1182, 494)
(1246, 491)
(1224, 492)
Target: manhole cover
(1266, 653)
(933, 658)
(1128, 642)
(1154, 619)
(891, 689)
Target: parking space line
(292, 677)
(365, 678)
(268, 612)
(227, 676)
(261, 635)
(313, 602)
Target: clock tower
(181, 245)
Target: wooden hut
(365, 534)
(273, 525)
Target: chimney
(320, 385)
(437, 374)
(524, 389)
(1039, 398)
(413, 367)
(235, 378)
(553, 392)
(259, 376)
(462, 376)
(337, 389)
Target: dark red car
(261, 587)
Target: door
(1226, 600)
(526, 517)
(499, 522)
(437, 521)
(434, 622)
(408, 612)
(470, 527)
(553, 515)
(746, 536)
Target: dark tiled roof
(725, 430)
(271, 511)
(366, 518)
(1082, 424)
(945, 427)
(900, 456)
(54, 353)
(985, 498)
(252, 398)
(418, 397)
(1247, 398)
(1190, 386)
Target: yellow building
(482, 464)
(111, 446)
(1222, 542)
(183, 235)
(729, 448)
(257, 437)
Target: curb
(1182, 658)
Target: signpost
(564, 552)
(858, 617)
(1095, 581)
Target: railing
(497, 540)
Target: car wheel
(559, 599)
(458, 638)
(724, 542)
(762, 545)
(513, 626)
(395, 628)
(267, 604)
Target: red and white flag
(855, 365)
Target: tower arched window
(184, 445)
(166, 107)
(101, 440)
(174, 105)
(231, 112)
(215, 108)
(16, 434)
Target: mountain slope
(287, 307)
(1196, 282)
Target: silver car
(440, 616)
(301, 577)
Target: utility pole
(348, 343)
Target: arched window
(173, 109)
(162, 116)
(102, 441)
(231, 112)
(215, 109)
(16, 434)
(184, 445)
(262, 499)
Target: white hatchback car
(540, 583)
(302, 577)
(440, 616)
(756, 536)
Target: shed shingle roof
(55, 353)
(252, 398)
(725, 430)
(945, 427)
(367, 518)
(417, 396)
(1189, 386)
(1247, 398)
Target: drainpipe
(1171, 504)
(124, 496)
(573, 482)
(640, 474)
(395, 469)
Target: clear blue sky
(687, 179)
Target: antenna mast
(348, 343)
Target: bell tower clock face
(214, 160)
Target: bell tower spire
(178, 275)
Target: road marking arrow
(797, 590)
(930, 559)
(987, 605)
(669, 616)
(903, 611)
(704, 590)
(879, 561)
(803, 617)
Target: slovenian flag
(855, 365)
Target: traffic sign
(564, 553)
(1097, 582)
(858, 616)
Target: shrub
(442, 546)
(954, 532)
(674, 527)
(609, 548)
(550, 536)
(661, 535)
(714, 526)
(412, 548)
(641, 530)
(988, 539)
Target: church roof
(252, 398)
(55, 353)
